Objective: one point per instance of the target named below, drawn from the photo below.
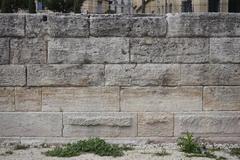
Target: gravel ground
(143, 152)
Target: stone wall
(120, 77)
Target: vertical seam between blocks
(137, 124)
(46, 51)
(9, 51)
(62, 126)
(25, 26)
(209, 50)
(173, 134)
(129, 51)
(14, 100)
(26, 76)
(41, 100)
(202, 97)
(119, 98)
(104, 75)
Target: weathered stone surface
(28, 99)
(4, 51)
(158, 99)
(65, 75)
(203, 24)
(6, 99)
(166, 50)
(208, 123)
(68, 25)
(12, 75)
(148, 26)
(83, 99)
(100, 124)
(155, 124)
(221, 98)
(30, 124)
(225, 50)
(210, 74)
(89, 50)
(109, 25)
(142, 74)
(12, 25)
(37, 25)
(28, 51)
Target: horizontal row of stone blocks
(178, 25)
(115, 99)
(113, 124)
(119, 50)
(120, 75)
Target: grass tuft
(235, 152)
(188, 144)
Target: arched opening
(187, 6)
(234, 6)
(213, 5)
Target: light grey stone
(30, 124)
(28, 51)
(12, 25)
(28, 99)
(210, 74)
(155, 124)
(68, 25)
(83, 99)
(221, 98)
(12, 75)
(65, 75)
(225, 50)
(115, 124)
(88, 50)
(208, 123)
(161, 99)
(169, 50)
(6, 99)
(4, 51)
(110, 25)
(142, 74)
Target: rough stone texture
(4, 51)
(208, 123)
(30, 124)
(203, 24)
(28, 99)
(65, 75)
(12, 75)
(89, 50)
(158, 99)
(148, 26)
(225, 50)
(83, 99)
(169, 50)
(37, 25)
(110, 25)
(155, 124)
(142, 74)
(68, 25)
(210, 74)
(28, 51)
(6, 99)
(100, 124)
(221, 98)
(12, 25)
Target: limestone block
(12, 75)
(30, 124)
(28, 51)
(28, 99)
(225, 50)
(65, 75)
(210, 74)
(203, 24)
(88, 50)
(142, 74)
(12, 25)
(169, 50)
(110, 25)
(4, 51)
(155, 124)
(6, 99)
(161, 99)
(83, 99)
(148, 26)
(68, 25)
(208, 123)
(115, 124)
(221, 98)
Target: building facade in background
(121, 6)
(95, 6)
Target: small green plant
(6, 153)
(93, 145)
(235, 152)
(21, 147)
(163, 152)
(188, 144)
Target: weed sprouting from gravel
(21, 147)
(189, 144)
(235, 152)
